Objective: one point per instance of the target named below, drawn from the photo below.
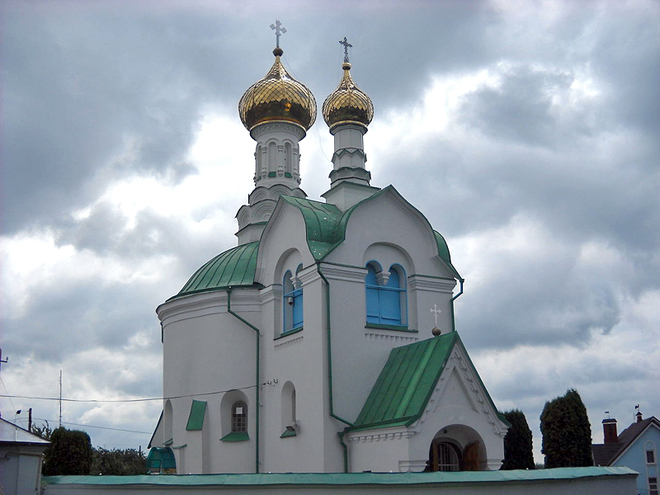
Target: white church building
(325, 340)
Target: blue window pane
(390, 307)
(371, 276)
(373, 311)
(385, 304)
(394, 279)
(297, 308)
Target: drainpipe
(256, 462)
(453, 321)
(330, 394)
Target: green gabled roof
(406, 383)
(322, 221)
(326, 226)
(232, 268)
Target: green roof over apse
(406, 382)
(232, 268)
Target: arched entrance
(456, 448)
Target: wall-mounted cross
(279, 31)
(436, 312)
(347, 45)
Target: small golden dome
(277, 98)
(348, 104)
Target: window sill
(398, 328)
(290, 332)
(236, 436)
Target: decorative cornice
(344, 273)
(266, 127)
(206, 303)
(283, 341)
(390, 336)
(380, 435)
(431, 284)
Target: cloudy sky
(527, 132)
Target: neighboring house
(21, 456)
(636, 447)
(308, 347)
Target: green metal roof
(345, 479)
(325, 229)
(321, 221)
(326, 226)
(196, 417)
(232, 268)
(406, 382)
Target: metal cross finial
(436, 312)
(279, 31)
(347, 45)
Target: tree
(119, 462)
(566, 432)
(44, 431)
(70, 452)
(518, 442)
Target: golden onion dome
(348, 104)
(277, 98)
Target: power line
(109, 401)
(99, 427)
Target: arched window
(238, 417)
(444, 456)
(168, 418)
(293, 301)
(289, 423)
(288, 159)
(386, 295)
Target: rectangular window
(653, 486)
(650, 457)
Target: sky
(527, 132)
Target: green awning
(196, 417)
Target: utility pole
(29, 428)
(60, 398)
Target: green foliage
(518, 442)
(70, 452)
(119, 462)
(566, 432)
(44, 431)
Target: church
(324, 342)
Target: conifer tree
(518, 442)
(70, 452)
(566, 432)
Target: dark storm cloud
(552, 171)
(86, 89)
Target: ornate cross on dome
(347, 45)
(436, 312)
(279, 31)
